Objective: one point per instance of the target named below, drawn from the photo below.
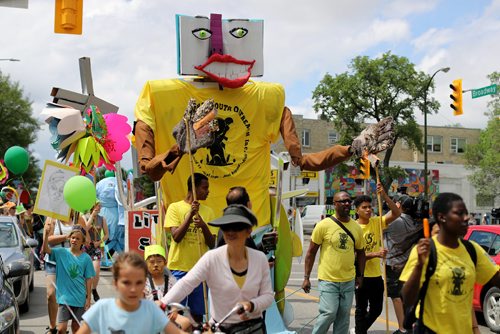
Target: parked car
(311, 215)
(16, 247)
(9, 311)
(487, 298)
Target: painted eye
(239, 32)
(201, 33)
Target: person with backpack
(341, 241)
(399, 238)
(441, 271)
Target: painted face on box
(226, 51)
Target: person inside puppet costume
(248, 117)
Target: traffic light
(68, 17)
(456, 96)
(364, 168)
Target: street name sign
(488, 90)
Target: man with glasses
(341, 241)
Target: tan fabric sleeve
(289, 135)
(312, 161)
(151, 164)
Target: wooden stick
(384, 264)
(191, 166)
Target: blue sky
(130, 42)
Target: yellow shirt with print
(249, 120)
(373, 241)
(336, 257)
(448, 300)
(184, 254)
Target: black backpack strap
(153, 288)
(165, 277)
(346, 230)
(471, 250)
(431, 268)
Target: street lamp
(10, 59)
(426, 187)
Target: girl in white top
(235, 274)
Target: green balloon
(17, 160)
(109, 173)
(79, 193)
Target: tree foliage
(371, 90)
(18, 126)
(484, 157)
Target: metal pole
(426, 186)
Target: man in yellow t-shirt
(336, 271)
(191, 237)
(370, 296)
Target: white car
(311, 215)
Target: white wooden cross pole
(84, 100)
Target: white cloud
(471, 52)
(432, 39)
(406, 7)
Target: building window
(434, 143)
(332, 137)
(458, 145)
(306, 140)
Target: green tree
(18, 126)
(373, 89)
(483, 158)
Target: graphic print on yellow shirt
(249, 121)
(336, 259)
(373, 241)
(184, 254)
(449, 296)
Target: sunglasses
(237, 227)
(345, 201)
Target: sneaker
(375, 138)
(51, 330)
(95, 295)
(400, 332)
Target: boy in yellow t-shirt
(191, 237)
(370, 296)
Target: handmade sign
(50, 197)
(138, 232)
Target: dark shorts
(94, 253)
(195, 300)
(394, 285)
(64, 315)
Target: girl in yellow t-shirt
(448, 301)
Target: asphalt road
(305, 306)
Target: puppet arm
(151, 164)
(312, 161)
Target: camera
(416, 207)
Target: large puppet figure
(223, 55)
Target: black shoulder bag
(349, 233)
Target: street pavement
(305, 306)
